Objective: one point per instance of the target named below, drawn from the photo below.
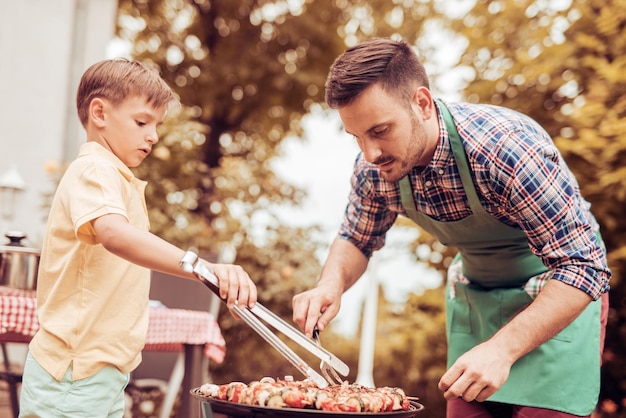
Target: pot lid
(15, 244)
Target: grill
(211, 407)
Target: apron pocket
(512, 302)
(567, 333)
(515, 300)
(459, 314)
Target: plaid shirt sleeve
(526, 183)
(367, 217)
(534, 189)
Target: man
(526, 291)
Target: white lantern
(11, 183)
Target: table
(195, 334)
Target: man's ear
(97, 112)
(423, 100)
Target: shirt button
(428, 183)
(441, 172)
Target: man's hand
(317, 306)
(477, 374)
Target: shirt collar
(442, 157)
(94, 148)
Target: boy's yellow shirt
(92, 305)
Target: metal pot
(18, 264)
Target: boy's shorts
(100, 395)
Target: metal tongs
(251, 316)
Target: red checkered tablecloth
(168, 329)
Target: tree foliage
(246, 72)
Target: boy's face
(129, 130)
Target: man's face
(130, 129)
(392, 134)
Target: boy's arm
(146, 249)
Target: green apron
(562, 374)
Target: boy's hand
(235, 285)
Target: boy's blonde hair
(117, 79)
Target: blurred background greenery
(248, 71)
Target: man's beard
(411, 157)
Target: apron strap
(406, 193)
(460, 159)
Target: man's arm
(481, 371)
(344, 266)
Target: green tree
(563, 64)
(246, 72)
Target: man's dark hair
(392, 63)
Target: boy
(97, 254)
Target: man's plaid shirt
(521, 179)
